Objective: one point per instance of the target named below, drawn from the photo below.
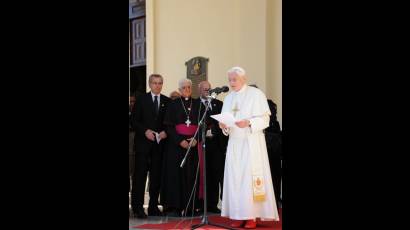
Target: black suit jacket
(274, 126)
(273, 133)
(143, 117)
(219, 140)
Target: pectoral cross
(187, 122)
(235, 109)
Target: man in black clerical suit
(181, 120)
(274, 147)
(147, 120)
(216, 144)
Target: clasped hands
(150, 135)
(185, 143)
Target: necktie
(156, 104)
(206, 103)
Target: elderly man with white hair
(181, 120)
(248, 190)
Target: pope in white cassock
(248, 190)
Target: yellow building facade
(246, 33)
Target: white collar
(204, 100)
(152, 95)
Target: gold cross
(235, 109)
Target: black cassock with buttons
(181, 120)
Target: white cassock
(248, 190)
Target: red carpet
(186, 224)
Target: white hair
(237, 70)
(182, 81)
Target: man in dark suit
(216, 144)
(131, 150)
(274, 146)
(273, 136)
(147, 120)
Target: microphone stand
(202, 125)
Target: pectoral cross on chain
(235, 109)
(187, 122)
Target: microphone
(219, 90)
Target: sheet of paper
(157, 137)
(226, 118)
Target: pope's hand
(242, 123)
